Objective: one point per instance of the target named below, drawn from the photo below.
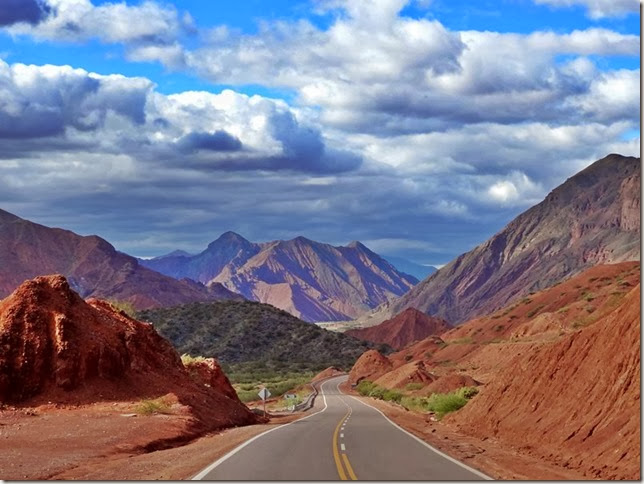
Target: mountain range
(592, 218)
(94, 268)
(311, 280)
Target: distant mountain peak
(311, 280)
(356, 244)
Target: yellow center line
(349, 469)
(336, 454)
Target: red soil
(414, 372)
(328, 373)
(578, 398)
(370, 366)
(407, 327)
(59, 348)
(449, 383)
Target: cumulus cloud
(149, 31)
(117, 114)
(597, 9)
(414, 75)
(23, 11)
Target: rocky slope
(310, 280)
(59, 348)
(93, 267)
(407, 327)
(249, 335)
(592, 218)
(560, 373)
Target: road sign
(264, 393)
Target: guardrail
(308, 403)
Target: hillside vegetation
(250, 338)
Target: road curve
(342, 439)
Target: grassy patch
(462, 341)
(124, 306)
(413, 386)
(588, 296)
(152, 407)
(186, 359)
(534, 311)
(563, 310)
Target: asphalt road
(341, 439)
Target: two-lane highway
(342, 439)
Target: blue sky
(418, 127)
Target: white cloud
(597, 8)
(149, 31)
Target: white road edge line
(224, 458)
(451, 459)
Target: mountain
(311, 280)
(592, 218)
(56, 347)
(255, 335)
(419, 271)
(407, 327)
(93, 267)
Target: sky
(418, 127)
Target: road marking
(451, 459)
(342, 436)
(342, 447)
(336, 454)
(352, 474)
(224, 458)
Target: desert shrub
(462, 341)
(377, 392)
(392, 396)
(467, 392)
(499, 327)
(186, 359)
(408, 357)
(429, 354)
(151, 407)
(365, 387)
(414, 403)
(535, 311)
(413, 386)
(444, 403)
(124, 306)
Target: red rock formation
(413, 372)
(208, 372)
(449, 383)
(370, 366)
(328, 373)
(577, 399)
(57, 347)
(407, 327)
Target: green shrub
(151, 407)
(392, 396)
(462, 341)
(413, 386)
(467, 392)
(125, 306)
(365, 387)
(377, 392)
(444, 403)
(535, 311)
